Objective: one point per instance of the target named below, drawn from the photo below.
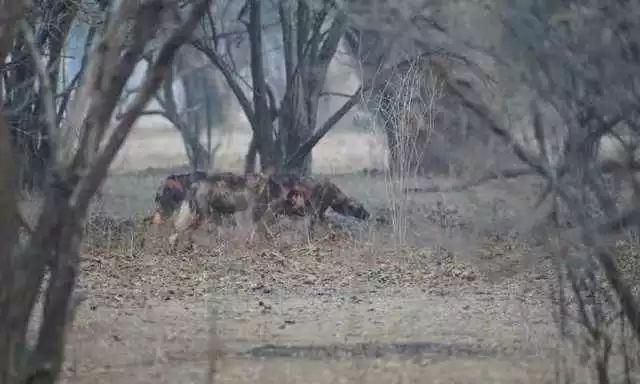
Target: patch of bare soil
(344, 306)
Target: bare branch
(495, 175)
(153, 112)
(243, 100)
(308, 145)
(150, 85)
(45, 83)
(76, 78)
(13, 11)
(339, 94)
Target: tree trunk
(192, 118)
(264, 127)
(294, 124)
(31, 136)
(251, 157)
(8, 272)
(9, 340)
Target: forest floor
(455, 288)
(450, 292)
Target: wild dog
(326, 194)
(215, 197)
(293, 195)
(265, 197)
(171, 192)
(223, 194)
(280, 195)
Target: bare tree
(50, 23)
(311, 33)
(73, 179)
(260, 110)
(185, 119)
(581, 62)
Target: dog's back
(304, 193)
(225, 193)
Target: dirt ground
(453, 288)
(463, 297)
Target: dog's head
(297, 201)
(168, 197)
(352, 207)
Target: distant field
(154, 143)
(158, 145)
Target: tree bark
(9, 271)
(251, 157)
(56, 239)
(294, 124)
(304, 150)
(31, 134)
(263, 132)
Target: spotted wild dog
(215, 197)
(224, 194)
(293, 195)
(325, 194)
(265, 197)
(171, 193)
(279, 195)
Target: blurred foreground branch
(71, 185)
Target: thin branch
(483, 112)
(48, 100)
(494, 175)
(83, 65)
(339, 94)
(150, 85)
(308, 145)
(153, 112)
(243, 100)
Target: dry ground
(454, 291)
(452, 304)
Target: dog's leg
(233, 222)
(263, 217)
(267, 223)
(214, 225)
(173, 240)
(317, 210)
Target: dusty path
(389, 335)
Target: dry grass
(464, 275)
(449, 284)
